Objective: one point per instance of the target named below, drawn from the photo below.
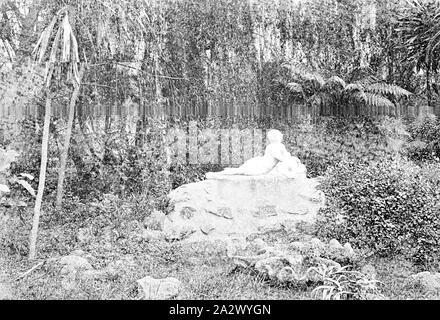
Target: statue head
(274, 136)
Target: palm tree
(334, 92)
(419, 29)
(63, 55)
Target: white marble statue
(276, 160)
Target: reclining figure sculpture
(276, 160)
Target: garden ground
(203, 268)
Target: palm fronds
(42, 43)
(64, 48)
(67, 32)
(419, 28)
(6, 47)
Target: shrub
(390, 207)
(425, 140)
(27, 140)
(15, 192)
(331, 140)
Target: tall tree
(63, 55)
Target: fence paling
(190, 144)
(222, 107)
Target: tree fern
(358, 96)
(295, 87)
(313, 79)
(377, 100)
(366, 90)
(387, 89)
(353, 88)
(310, 81)
(366, 81)
(334, 83)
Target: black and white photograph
(232, 153)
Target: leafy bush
(15, 192)
(27, 140)
(425, 140)
(114, 163)
(326, 143)
(389, 207)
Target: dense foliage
(115, 161)
(211, 57)
(425, 140)
(390, 207)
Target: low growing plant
(339, 283)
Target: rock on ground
(72, 266)
(159, 289)
(5, 289)
(237, 206)
(427, 281)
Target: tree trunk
(64, 154)
(428, 86)
(42, 178)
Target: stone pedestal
(237, 206)
(256, 191)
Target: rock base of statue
(236, 205)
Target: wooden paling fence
(184, 143)
(193, 145)
(211, 146)
(13, 113)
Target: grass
(393, 273)
(203, 269)
(204, 276)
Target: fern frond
(366, 81)
(316, 99)
(387, 89)
(360, 73)
(354, 87)
(334, 83)
(377, 100)
(358, 96)
(316, 80)
(295, 87)
(8, 49)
